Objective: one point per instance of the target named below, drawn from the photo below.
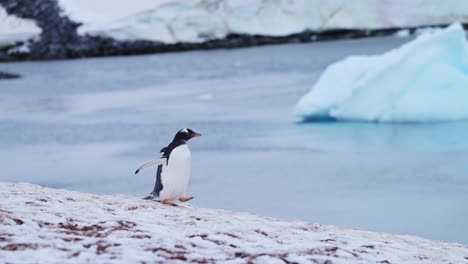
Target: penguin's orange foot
(168, 202)
(185, 199)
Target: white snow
(24, 48)
(424, 80)
(172, 21)
(14, 29)
(403, 33)
(58, 226)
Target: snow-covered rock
(422, 81)
(14, 29)
(172, 21)
(41, 225)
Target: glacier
(425, 80)
(198, 21)
(173, 21)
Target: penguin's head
(186, 134)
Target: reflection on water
(86, 124)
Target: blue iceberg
(425, 80)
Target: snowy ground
(55, 226)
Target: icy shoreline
(51, 225)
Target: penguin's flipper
(156, 162)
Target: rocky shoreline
(92, 46)
(59, 38)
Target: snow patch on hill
(58, 226)
(14, 29)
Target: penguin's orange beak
(196, 135)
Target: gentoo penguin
(173, 174)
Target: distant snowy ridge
(173, 21)
(425, 80)
(58, 226)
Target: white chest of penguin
(175, 175)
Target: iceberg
(425, 80)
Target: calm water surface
(87, 124)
